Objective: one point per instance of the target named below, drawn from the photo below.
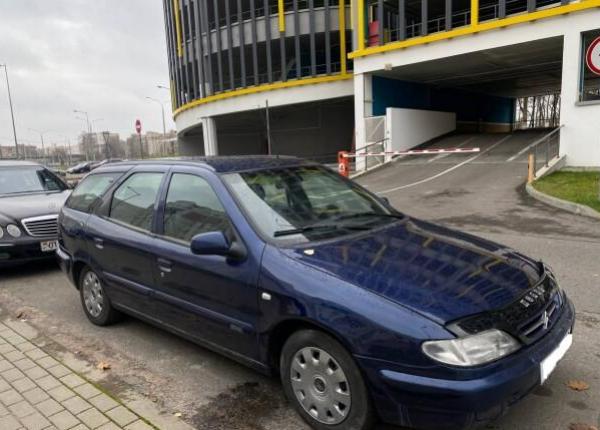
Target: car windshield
(306, 203)
(24, 180)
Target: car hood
(15, 208)
(440, 273)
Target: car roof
(218, 164)
(18, 163)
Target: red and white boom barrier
(344, 156)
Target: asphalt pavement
(484, 196)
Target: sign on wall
(592, 56)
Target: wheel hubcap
(320, 385)
(92, 294)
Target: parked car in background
(364, 312)
(83, 167)
(104, 162)
(30, 199)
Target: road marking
(524, 149)
(431, 178)
(460, 145)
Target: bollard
(531, 173)
(343, 164)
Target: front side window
(90, 190)
(306, 203)
(133, 202)
(191, 208)
(24, 180)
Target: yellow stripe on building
(281, 14)
(178, 28)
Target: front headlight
(472, 350)
(13, 230)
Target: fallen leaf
(103, 365)
(578, 385)
(21, 314)
(177, 414)
(582, 426)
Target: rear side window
(90, 190)
(192, 207)
(133, 202)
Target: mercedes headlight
(13, 230)
(474, 350)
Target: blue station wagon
(365, 313)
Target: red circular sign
(592, 56)
(138, 126)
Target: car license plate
(549, 363)
(49, 246)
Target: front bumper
(458, 402)
(23, 250)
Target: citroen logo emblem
(545, 320)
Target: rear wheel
(322, 381)
(95, 301)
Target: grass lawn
(578, 187)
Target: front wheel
(95, 301)
(322, 381)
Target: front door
(211, 298)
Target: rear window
(90, 190)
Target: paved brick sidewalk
(38, 392)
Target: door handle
(164, 265)
(99, 243)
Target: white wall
(580, 136)
(407, 128)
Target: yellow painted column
(361, 24)
(474, 12)
(177, 28)
(281, 15)
(342, 22)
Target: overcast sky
(99, 56)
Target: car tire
(95, 301)
(324, 384)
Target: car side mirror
(386, 200)
(216, 243)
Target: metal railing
(460, 18)
(544, 150)
(370, 162)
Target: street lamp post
(41, 133)
(12, 113)
(87, 118)
(162, 110)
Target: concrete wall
(407, 128)
(580, 136)
(312, 130)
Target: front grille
(528, 318)
(42, 226)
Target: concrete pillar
(579, 138)
(209, 133)
(363, 108)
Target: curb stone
(565, 205)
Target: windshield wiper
(368, 214)
(316, 227)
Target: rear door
(77, 209)
(120, 238)
(209, 297)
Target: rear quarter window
(90, 190)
